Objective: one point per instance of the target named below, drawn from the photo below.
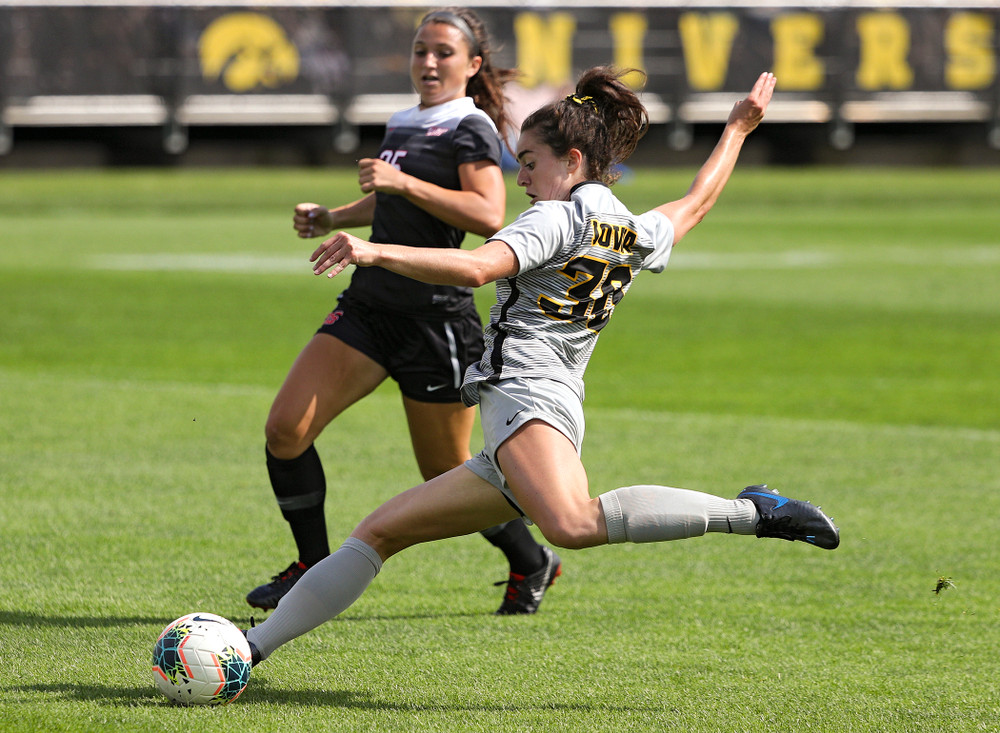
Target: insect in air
(943, 583)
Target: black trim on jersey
(496, 357)
(584, 183)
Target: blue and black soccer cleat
(791, 519)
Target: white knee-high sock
(327, 588)
(660, 513)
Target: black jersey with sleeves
(428, 144)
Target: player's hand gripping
(375, 174)
(747, 113)
(341, 250)
(312, 220)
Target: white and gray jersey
(577, 260)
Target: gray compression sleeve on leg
(327, 589)
(660, 513)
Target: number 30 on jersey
(597, 287)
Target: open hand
(341, 250)
(747, 113)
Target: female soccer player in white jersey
(560, 269)
(437, 176)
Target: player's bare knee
(284, 440)
(375, 535)
(566, 533)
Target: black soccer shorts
(426, 357)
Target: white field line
(237, 263)
(975, 256)
(13, 381)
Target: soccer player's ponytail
(603, 119)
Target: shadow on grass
(260, 690)
(141, 696)
(382, 617)
(261, 693)
(34, 620)
(14, 618)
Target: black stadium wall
(298, 82)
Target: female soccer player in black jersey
(560, 268)
(436, 177)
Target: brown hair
(603, 119)
(486, 87)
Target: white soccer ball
(201, 659)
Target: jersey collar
(587, 183)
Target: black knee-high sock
(300, 488)
(515, 540)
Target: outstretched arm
(438, 266)
(685, 213)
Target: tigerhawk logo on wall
(247, 51)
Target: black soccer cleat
(266, 597)
(524, 592)
(791, 519)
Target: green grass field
(834, 333)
